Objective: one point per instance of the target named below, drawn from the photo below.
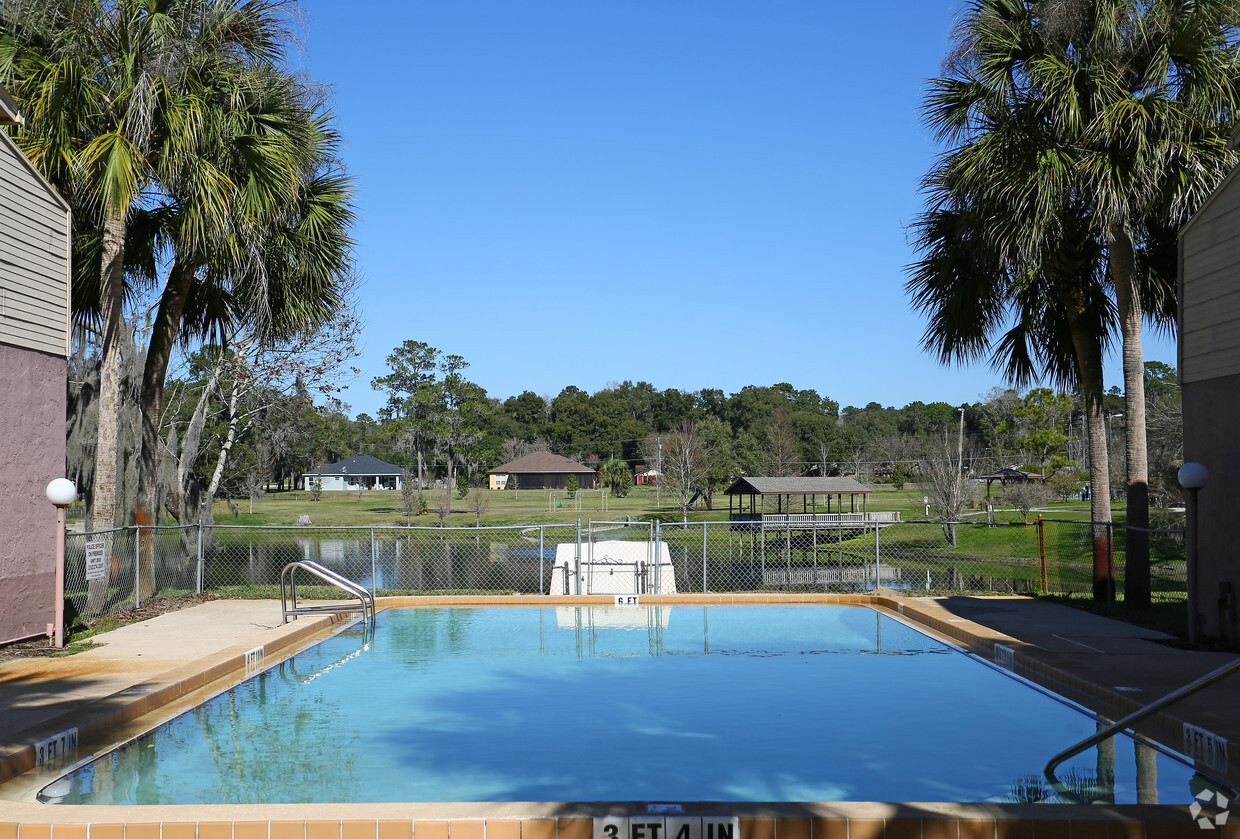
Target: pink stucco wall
(32, 452)
(1210, 438)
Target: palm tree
(1131, 103)
(275, 263)
(1164, 85)
(111, 122)
(1042, 314)
(1007, 268)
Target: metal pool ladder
(1135, 717)
(288, 592)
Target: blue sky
(694, 194)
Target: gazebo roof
(1008, 474)
(797, 486)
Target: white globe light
(1193, 475)
(61, 492)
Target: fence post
(878, 565)
(577, 559)
(200, 557)
(1110, 566)
(788, 545)
(1041, 553)
(658, 555)
(814, 532)
(137, 566)
(704, 525)
(374, 566)
(541, 570)
(589, 557)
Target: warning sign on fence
(97, 560)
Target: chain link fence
(114, 570)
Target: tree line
(446, 430)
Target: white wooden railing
(829, 518)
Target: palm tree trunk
(112, 301)
(1147, 773)
(163, 336)
(1137, 540)
(1086, 343)
(1104, 792)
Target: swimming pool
(683, 703)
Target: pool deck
(166, 663)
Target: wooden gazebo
(1006, 476)
(756, 490)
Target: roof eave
(10, 114)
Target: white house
(362, 471)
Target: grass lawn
(529, 506)
(383, 507)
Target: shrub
(1025, 495)
(1065, 485)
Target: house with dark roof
(362, 471)
(541, 470)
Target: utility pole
(658, 475)
(959, 460)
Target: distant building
(541, 470)
(34, 343)
(362, 471)
(645, 476)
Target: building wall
(34, 258)
(32, 447)
(34, 342)
(1210, 439)
(328, 482)
(350, 482)
(552, 480)
(1209, 364)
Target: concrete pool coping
(145, 672)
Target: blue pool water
(684, 703)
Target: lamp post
(1192, 477)
(61, 492)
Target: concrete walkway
(34, 692)
(1130, 665)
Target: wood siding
(34, 258)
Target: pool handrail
(1136, 716)
(327, 575)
